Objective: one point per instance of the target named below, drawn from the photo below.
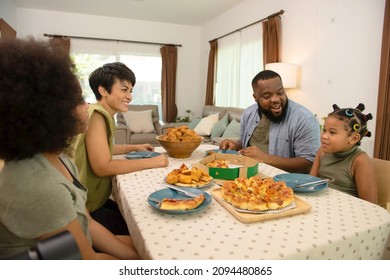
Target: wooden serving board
(301, 206)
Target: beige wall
(8, 12)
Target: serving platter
(301, 206)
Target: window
(239, 59)
(144, 60)
(85, 64)
(147, 70)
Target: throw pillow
(232, 130)
(206, 124)
(194, 123)
(219, 127)
(139, 121)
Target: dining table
(337, 226)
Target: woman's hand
(160, 161)
(144, 147)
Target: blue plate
(210, 152)
(141, 154)
(169, 193)
(292, 179)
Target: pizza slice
(181, 204)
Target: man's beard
(271, 116)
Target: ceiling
(184, 12)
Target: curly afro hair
(38, 98)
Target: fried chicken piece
(183, 167)
(196, 174)
(172, 177)
(185, 179)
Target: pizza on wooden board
(257, 194)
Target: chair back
(382, 171)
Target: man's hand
(254, 152)
(229, 145)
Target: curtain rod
(281, 12)
(104, 39)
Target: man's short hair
(265, 75)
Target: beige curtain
(6, 31)
(211, 73)
(271, 51)
(168, 83)
(382, 135)
(272, 32)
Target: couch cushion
(143, 138)
(211, 110)
(154, 108)
(139, 121)
(232, 130)
(235, 113)
(219, 127)
(206, 124)
(194, 123)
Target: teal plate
(293, 179)
(169, 193)
(232, 152)
(141, 154)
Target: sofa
(217, 123)
(140, 125)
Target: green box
(246, 167)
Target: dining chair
(382, 171)
(61, 246)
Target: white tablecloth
(338, 226)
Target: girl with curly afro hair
(41, 109)
(340, 156)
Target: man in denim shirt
(276, 130)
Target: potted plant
(186, 118)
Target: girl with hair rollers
(340, 156)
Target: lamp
(287, 71)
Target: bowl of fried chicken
(180, 142)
